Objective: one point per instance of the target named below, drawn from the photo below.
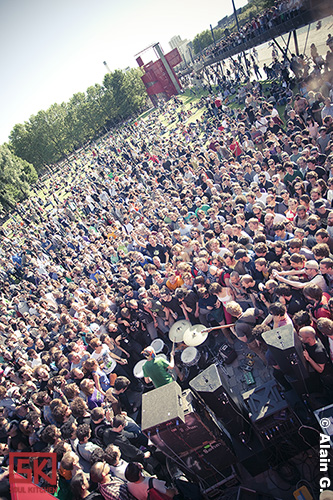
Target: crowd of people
(226, 220)
(279, 13)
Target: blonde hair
(234, 308)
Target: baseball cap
(312, 264)
(148, 351)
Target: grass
(188, 99)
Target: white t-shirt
(109, 362)
(222, 252)
(119, 470)
(279, 218)
(320, 281)
(36, 362)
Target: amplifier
(269, 413)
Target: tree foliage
(202, 40)
(51, 135)
(15, 176)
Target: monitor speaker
(212, 386)
(181, 427)
(286, 349)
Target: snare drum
(190, 356)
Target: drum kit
(138, 368)
(181, 332)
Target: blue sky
(50, 50)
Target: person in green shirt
(156, 369)
(291, 176)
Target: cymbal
(176, 333)
(194, 336)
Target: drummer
(156, 369)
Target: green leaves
(202, 40)
(15, 177)
(51, 135)
(127, 91)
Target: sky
(49, 50)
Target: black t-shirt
(246, 322)
(191, 300)
(297, 303)
(320, 171)
(173, 304)
(323, 218)
(318, 353)
(158, 250)
(129, 452)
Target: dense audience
(226, 220)
(276, 15)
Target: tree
(127, 90)
(51, 135)
(76, 123)
(136, 91)
(15, 176)
(202, 40)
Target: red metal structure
(160, 80)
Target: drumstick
(173, 348)
(217, 327)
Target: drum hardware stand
(218, 361)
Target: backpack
(98, 434)
(154, 494)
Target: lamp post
(107, 67)
(237, 24)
